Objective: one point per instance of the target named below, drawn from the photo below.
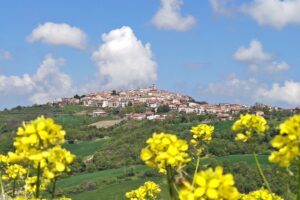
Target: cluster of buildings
(153, 98)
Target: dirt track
(106, 124)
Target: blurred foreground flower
(165, 150)
(149, 190)
(210, 184)
(287, 142)
(261, 194)
(249, 124)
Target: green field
(85, 148)
(116, 191)
(108, 184)
(109, 187)
(247, 158)
(95, 176)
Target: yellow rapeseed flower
(57, 162)
(146, 191)
(247, 125)
(3, 159)
(40, 134)
(165, 150)
(261, 194)
(30, 184)
(38, 142)
(14, 171)
(287, 142)
(202, 132)
(210, 184)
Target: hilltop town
(152, 98)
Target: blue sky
(214, 50)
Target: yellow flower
(58, 160)
(146, 191)
(287, 142)
(30, 184)
(38, 135)
(138, 194)
(39, 143)
(249, 124)
(165, 150)
(261, 194)
(210, 184)
(202, 132)
(14, 171)
(3, 159)
(152, 189)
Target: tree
(114, 92)
(129, 103)
(163, 109)
(76, 96)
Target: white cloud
(58, 34)
(254, 53)
(5, 55)
(16, 84)
(258, 59)
(275, 13)
(220, 7)
(47, 84)
(278, 66)
(232, 88)
(123, 61)
(169, 17)
(288, 93)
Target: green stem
(196, 170)
(37, 194)
(298, 192)
(170, 180)
(53, 188)
(14, 188)
(262, 173)
(2, 188)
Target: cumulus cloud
(232, 87)
(124, 61)
(288, 93)
(220, 7)
(16, 84)
(250, 90)
(169, 17)
(47, 84)
(275, 13)
(58, 34)
(258, 59)
(252, 53)
(5, 55)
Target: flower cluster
(30, 185)
(38, 147)
(34, 139)
(261, 194)
(3, 159)
(287, 142)
(201, 133)
(58, 161)
(249, 124)
(14, 171)
(148, 190)
(165, 150)
(210, 184)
